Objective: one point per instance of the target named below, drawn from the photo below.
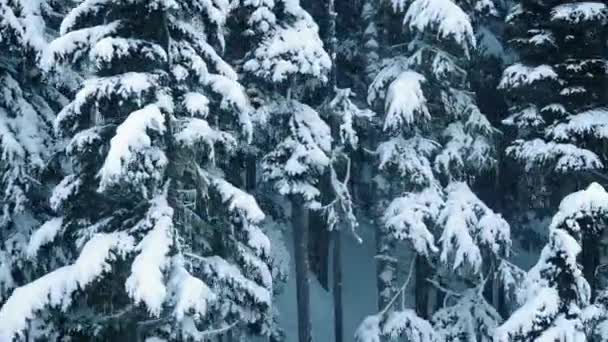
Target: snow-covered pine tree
(153, 240)
(434, 141)
(556, 94)
(554, 295)
(296, 150)
(28, 102)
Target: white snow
(69, 47)
(405, 102)
(193, 131)
(446, 17)
(406, 218)
(590, 202)
(67, 187)
(57, 288)
(196, 104)
(579, 12)
(292, 50)
(593, 122)
(130, 141)
(45, 234)
(190, 294)
(239, 201)
(562, 158)
(468, 225)
(146, 282)
(519, 75)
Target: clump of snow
(290, 51)
(196, 104)
(563, 158)
(193, 131)
(45, 234)
(468, 225)
(130, 141)
(67, 187)
(519, 75)
(190, 294)
(405, 102)
(68, 47)
(238, 200)
(146, 282)
(593, 122)
(407, 217)
(579, 12)
(57, 288)
(591, 202)
(446, 17)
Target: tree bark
(423, 271)
(590, 260)
(319, 240)
(299, 222)
(337, 286)
(250, 172)
(385, 268)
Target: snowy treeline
(156, 154)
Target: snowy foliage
(295, 50)
(562, 158)
(57, 288)
(553, 294)
(471, 318)
(472, 231)
(443, 16)
(300, 154)
(408, 218)
(397, 325)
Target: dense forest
(171, 170)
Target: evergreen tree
(27, 108)
(556, 94)
(434, 140)
(554, 295)
(154, 241)
(297, 144)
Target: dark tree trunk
(319, 248)
(250, 172)
(299, 223)
(423, 271)
(385, 268)
(590, 260)
(337, 286)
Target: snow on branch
(57, 288)
(238, 200)
(44, 235)
(194, 131)
(519, 75)
(404, 325)
(579, 12)
(75, 45)
(444, 16)
(407, 218)
(588, 204)
(563, 158)
(132, 86)
(146, 282)
(409, 158)
(405, 102)
(468, 227)
(470, 316)
(191, 296)
(293, 50)
(593, 122)
(132, 142)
